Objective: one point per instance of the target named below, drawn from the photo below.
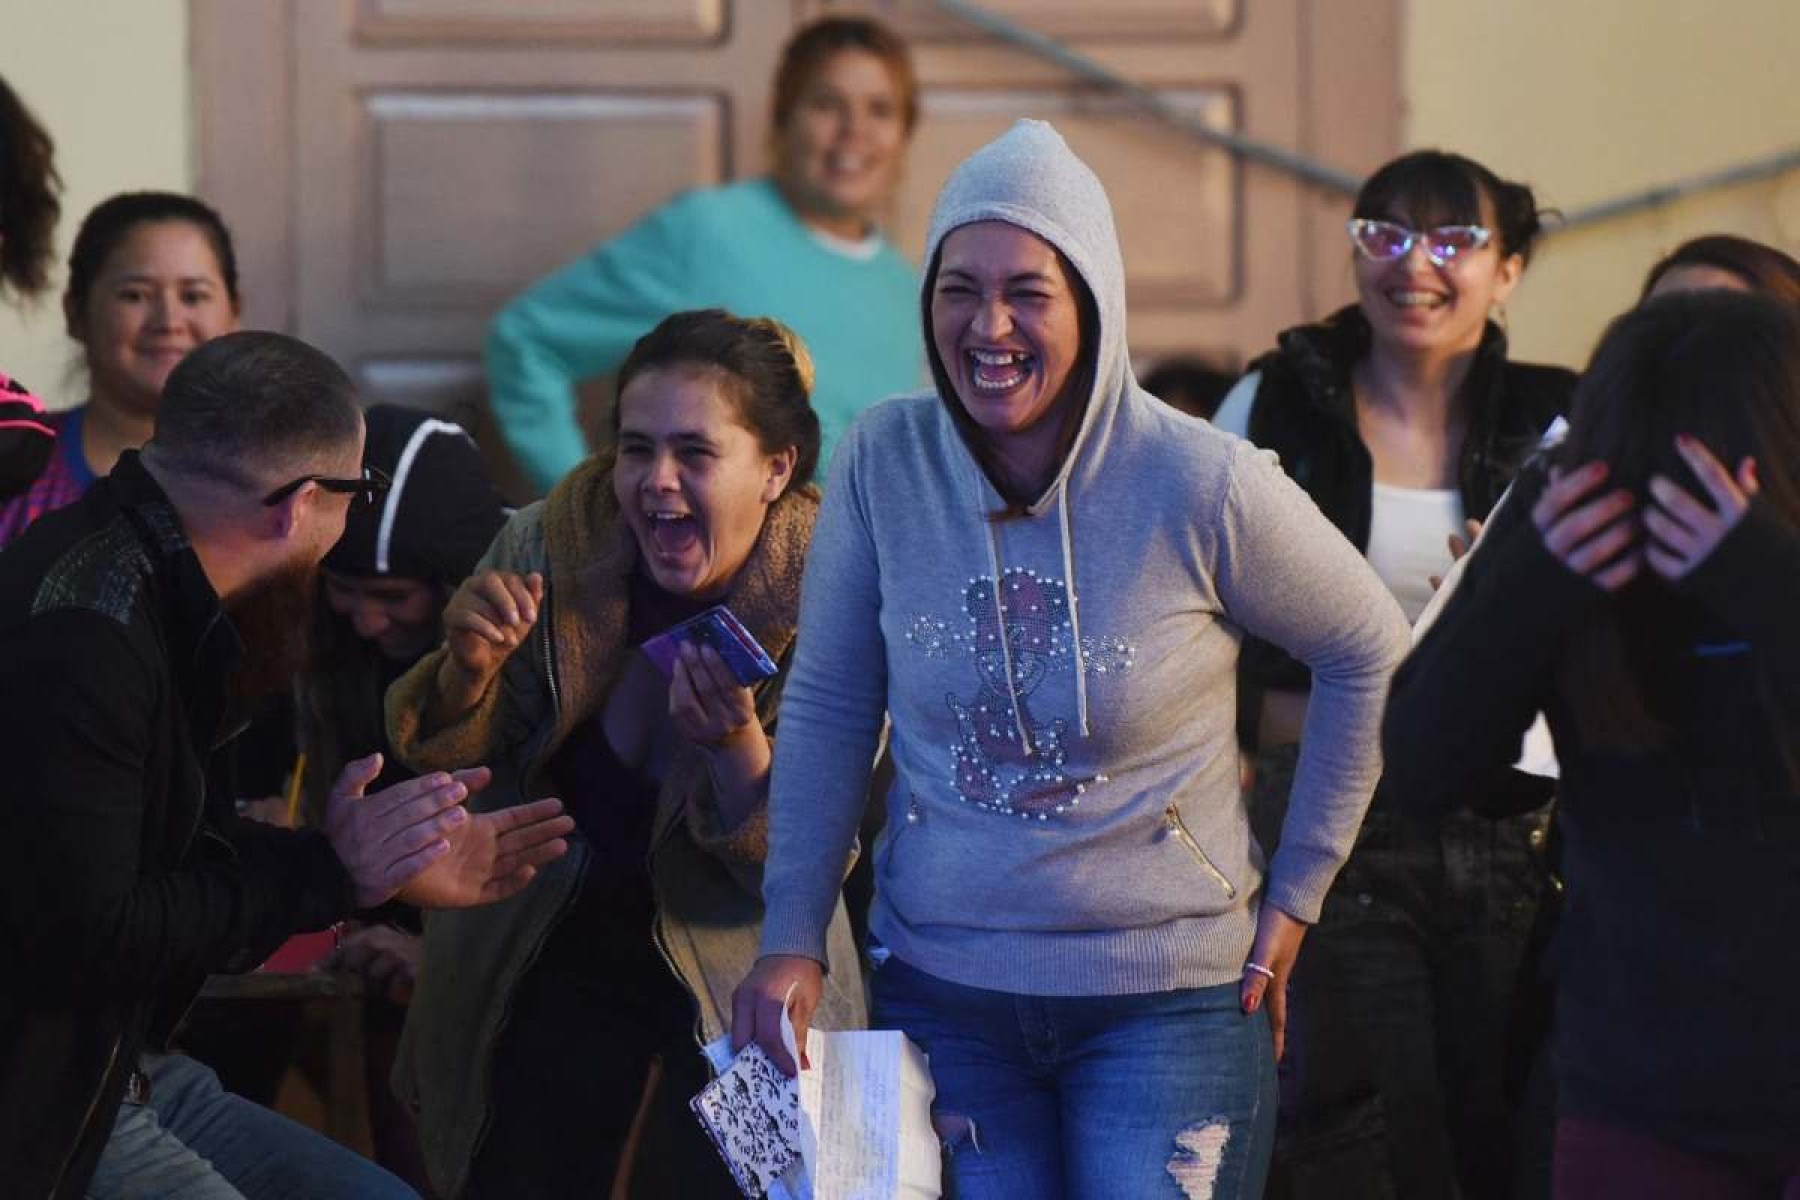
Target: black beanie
(441, 512)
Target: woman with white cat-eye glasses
(1404, 419)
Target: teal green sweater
(739, 247)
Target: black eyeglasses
(373, 485)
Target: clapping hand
(493, 855)
(418, 836)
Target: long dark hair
(1724, 368)
(29, 187)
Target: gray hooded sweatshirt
(1065, 818)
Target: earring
(1497, 314)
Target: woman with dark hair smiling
(1404, 418)
(152, 275)
(1641, 591)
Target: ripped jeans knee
(1199, 1155)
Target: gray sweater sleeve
(1285, 574)
(830, 724)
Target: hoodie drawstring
(1076, 651)
(1006, 655)
(1075, 647)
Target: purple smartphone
(718, 628)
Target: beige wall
(1589, 99)
(110, 79)
(1583, 98)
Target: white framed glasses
(1385, 241)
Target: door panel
(1179, 245)
(485, 21)
(451, 173)
(395, 169)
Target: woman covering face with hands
(1642, 592)
(532, 1027)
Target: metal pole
(1313, 172)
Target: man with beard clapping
(135, 628)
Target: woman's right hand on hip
(778, 981)
(488, 618)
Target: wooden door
(395, 169)
(1219, 257)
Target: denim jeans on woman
(1090, 1097)
(1393, 1085)
(194, 1140)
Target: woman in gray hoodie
(1041, 575)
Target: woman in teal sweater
(800, 245)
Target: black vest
(1305, 411)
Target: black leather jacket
(126, 876)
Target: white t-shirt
(1408, 527)
(1409, 531)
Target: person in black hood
(384, 587)
(1404, 419)
(388, 578)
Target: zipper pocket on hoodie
(1177, 829)
(914, 814)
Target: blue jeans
(196, 1141)
(1039, 1097)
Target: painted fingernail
(458, 816)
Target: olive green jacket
(707, 881)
